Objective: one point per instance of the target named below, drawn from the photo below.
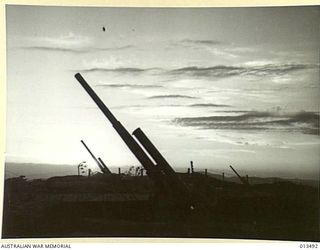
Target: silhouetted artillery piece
(243, 180)
(167, 183)
(104, 169)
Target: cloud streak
(171, 97)
(70, 43)
(218, 72)
(75, 50)
(214, 47)
(132, 86)
(123, 70)
(223, 71)
(200, 105)
(304, 122)
(201, 42)
(208, 105)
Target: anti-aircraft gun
(166, 181)
(104, 169)
(243, 180)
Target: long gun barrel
(107, 170)
(135, 148)
(244, 181)
(95, 159)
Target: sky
(218, 86)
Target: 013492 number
(309, 245)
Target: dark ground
(126, 206)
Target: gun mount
(171, 176)
(107, 170)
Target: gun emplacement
(161, 172)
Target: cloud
(215, 71)
(111, 48)
(133, 86)
(208, 105)
(204, 105)
(214, 47)
(125, 70)
(232, 111)
(223, 71)
(201, 42)
(68, 43)
(242, 50)
(57, 49)
(304, 122)
(275, 71)
(256, 63)
(171, 96)
(128, 106)
(76, 50)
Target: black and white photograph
(162, 122)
